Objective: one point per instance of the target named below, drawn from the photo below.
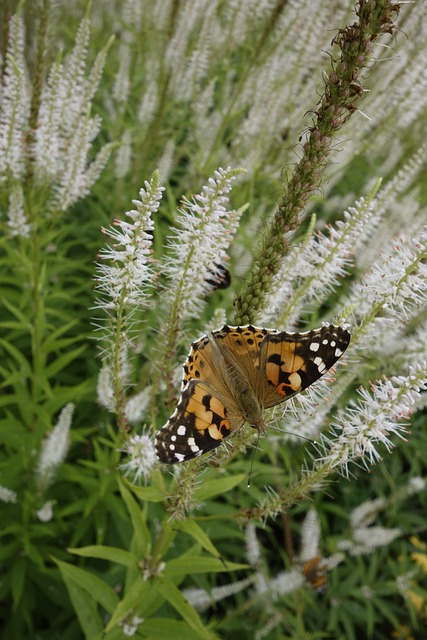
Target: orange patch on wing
(272, 371)
(215, 433)
(217, 407)
(207, 418)
(204, 421)
(315, 573)
(298, 363)
(203, 418)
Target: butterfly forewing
(291, 362)
(200, 363)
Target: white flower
(141, 457)
(253, 549)
(283, 583)
(65, 129)
(396, 284)
(45, 514)
(104, 388)
(124, 155)
(314, 269)
(55, 447)
(125, 276)
(14, 104)
(366, 539)
(130, 625)
(416, 485)
(137, 404)
(17, 219)
(310, 536)
(206, 229)
(365, 513)
(371, 420)
(8, 495)
(202, 600)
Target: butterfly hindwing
(199, 424)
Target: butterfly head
(259, 425)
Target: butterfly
(232, 375)
(315, 573)
(219, 277)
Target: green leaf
(168, 629)
(149, 494)
(52, 343)
(8, 551)
(218, 486)
(98, 590)
(23, 364)
(15, 311)
(136, 595)
(173, 595)
(199, 564)
(63, 361)
(113, 554)
(140, 530)
(86, 610)
(196, 532)
(17, 579)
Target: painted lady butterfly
(315, 573)
(233, 375)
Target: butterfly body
(231, 376)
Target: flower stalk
(125, 283)
(343, 91)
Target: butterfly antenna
(253, 459)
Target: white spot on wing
(314, 346)
(181, 430)
(320, 364)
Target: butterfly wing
(240, 349)
(199, 424)
(291, 362)
(207, 411)
(315, 573)
(235, 347)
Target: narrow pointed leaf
(98, 590)
(218, 486)
(173, 595)
(113, 554)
